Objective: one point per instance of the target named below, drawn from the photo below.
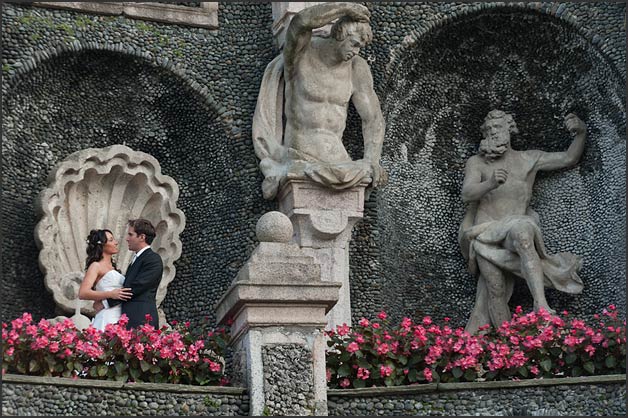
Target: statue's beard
(494, 148)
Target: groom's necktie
(133, 260)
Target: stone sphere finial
(274, 227)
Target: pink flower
(406, 323)
(382, 349)
(53, 347)
(364, 322)
(382, 315)
(214, 366)
(427, 320)
(534, 370)
(385, 371)
(376, 325)
(328, 375)
(428, 374)
(590, 349)
(353, 347)
(344, 383)
(363, 373)
(342, 329)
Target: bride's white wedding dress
(111, 280)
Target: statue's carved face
(496, 138)
(350, 46)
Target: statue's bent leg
(496, 285)
(521, 238)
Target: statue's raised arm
(557, 160)
(321, 76)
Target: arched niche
(439, 87)
(94, 96)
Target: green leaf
(589, 367)
(556, 351)
(344, 370)
(403, 359)
(364, 363)
(457, 372)
(135, 374)
(523, 371)
(155, 369)
(546, 364)
(389, 382)
(120, 367)
(610, 362)
(144, 365)
(576, 371)
(33, 366)
(102, 370)
(412, 376)
(359, 383)
(122, 377)
(470, 375)
(571, 358)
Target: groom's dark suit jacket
(143, 277)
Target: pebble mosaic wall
(187, 95)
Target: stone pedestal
(322, 221)
(277, 305)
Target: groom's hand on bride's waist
(98, 306)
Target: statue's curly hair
(345, 25)
(500, 114)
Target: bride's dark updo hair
(95, 242)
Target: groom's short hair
(143, 226)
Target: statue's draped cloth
(278, 161)
(487, 240)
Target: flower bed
(178, 355)
(534, 345)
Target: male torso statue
(321, 76)
(501, 234)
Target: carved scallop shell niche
(102, 188)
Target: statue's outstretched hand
(574, 124)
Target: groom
(142, 276)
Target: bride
(102, 280)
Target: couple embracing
(133, 294)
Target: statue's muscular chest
(520, 175)
(319, 83)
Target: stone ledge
(106, 384)
(205, 16)
(433, 387)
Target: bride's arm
(87, 293)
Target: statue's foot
(545, 306)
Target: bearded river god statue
(500, 234)
(320, 75)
